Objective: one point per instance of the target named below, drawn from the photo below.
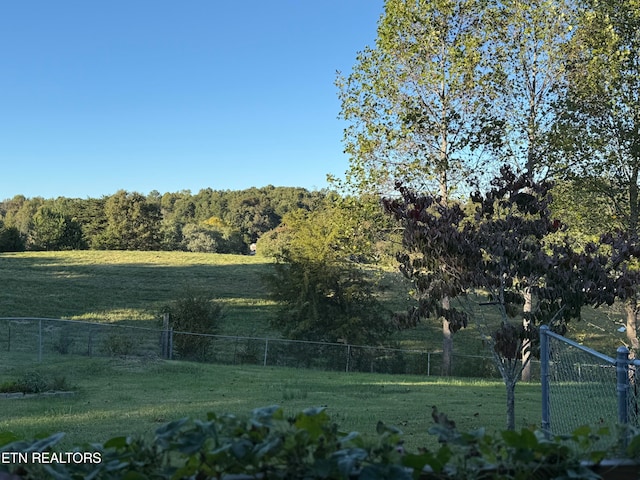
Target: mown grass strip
(134, 396)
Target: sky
(168, 95)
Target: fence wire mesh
(582, 389)
(35, 339)
(633, 409)
(42, 337)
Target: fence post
(348, 358)
(622, 383)
(266, 350)
(90, 342)
(544, 377)
(165, 335)
(40, 341)
(171, 344)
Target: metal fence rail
(40, 339)
(581, 386)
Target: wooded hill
(217, 221)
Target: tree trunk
(511, 403)
(447, 342)
(634, 207)
(526, 344)
(631, 308)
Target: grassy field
(133, 395)
(121, 286)
(112, 286)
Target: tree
(212, 236)
(10, 239)
(598, 134)
(132, 223)
(527, 42)
(89, 214)
(503, 250)
(582, 206)
(325, 296)
(19, 212)
(419, 105)
(52, 230)
(251, 212)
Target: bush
(118, 344)
(309, 445)
(34, 382)
(328, 301)
(194, 313)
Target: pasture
(131, 287)
(133, 395)
(124, 286)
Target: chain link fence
(581, 386)
(40, 339)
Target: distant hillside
(125, 286)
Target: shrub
(11, 240)
(34, 382)
(63, 343)
(309, 445)
(194, 313)
(118, 344)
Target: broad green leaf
(117, 442)
(7, 437)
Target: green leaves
(325, 295)
(418, 102)
(308, 445)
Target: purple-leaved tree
(501, 256)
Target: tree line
(217, 221)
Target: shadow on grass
(47, 286)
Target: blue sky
(141, 95)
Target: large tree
(10, 239)
(505, 250)
(418, 104)
(527, 44)
(18, 212)
(325, 295)
(52, 230)
(132, 223)
(599, 131)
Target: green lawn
(116, 396)
(114, 286)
